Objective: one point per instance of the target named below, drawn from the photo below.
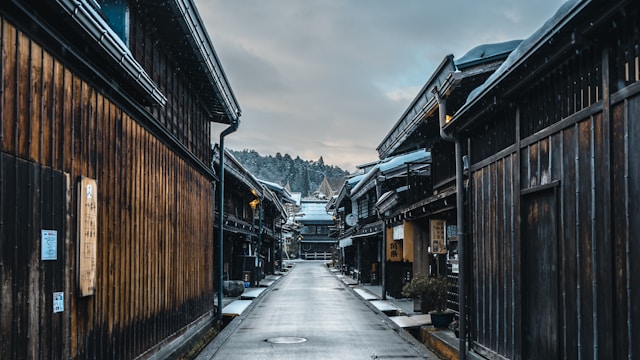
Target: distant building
(252, 223)
(313, 238)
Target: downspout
(383, 263)
(383, 281)
(232, 128)
(280, 238)
(383, 249)
(259, 242)
(462, 347)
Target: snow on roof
(314, 211)
(296, 196)
(400, 160)
(354, 180)
(272, 184)
(390, 164)
(286, 195)
(485, 52)
(521, 52)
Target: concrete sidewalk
(442, 341)
(403, 303)
(375, 291)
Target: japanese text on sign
(88, 235)
(438, 245)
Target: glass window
(323, 229)
(116, 13)
(308, 229)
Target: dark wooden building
(313, 237)
(428, 205)
(345, 222)
(363, 209)
(554, 143)
(252, 223)
(106, 215)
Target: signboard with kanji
(87, 235)
(438, 245)
(394, 250)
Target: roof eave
(187, 14)
(446, 78)
(482, 102)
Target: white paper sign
(49, 245)
(58, 302)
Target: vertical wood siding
(493, 254)
(33, 198)
(183, 115)
(155, 216)
(581, 139)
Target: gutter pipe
(259, 242)
(232, 128)
(442, 109)
(84, 15)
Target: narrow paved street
(310, 314)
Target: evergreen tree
(303, 176)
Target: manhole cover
(287, 340)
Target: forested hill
(303, 176)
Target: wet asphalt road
(310, 314)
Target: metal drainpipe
(462, 347)
(259, 243)
(280, 237)
(232, 128)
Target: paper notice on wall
(58, 302)
(49, 240)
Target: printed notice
(49, 245)
(58, 302)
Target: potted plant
(432, 294)
(417, 289)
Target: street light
(257, 202)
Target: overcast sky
(331, 77)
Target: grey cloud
(313, 76)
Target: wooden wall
(155, 217)
(183, 116)
(552, 215)
(493, 222)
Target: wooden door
(540, 302)
(35, 257)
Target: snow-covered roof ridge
(401, 160)
(390, 164)
(485, 52)
(279, 189)
(520, 53)
(314, 211)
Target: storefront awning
(371, 234)
(346, 242)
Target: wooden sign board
(437, 233)
(87, 235)
(394, 250)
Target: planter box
(441, 320)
